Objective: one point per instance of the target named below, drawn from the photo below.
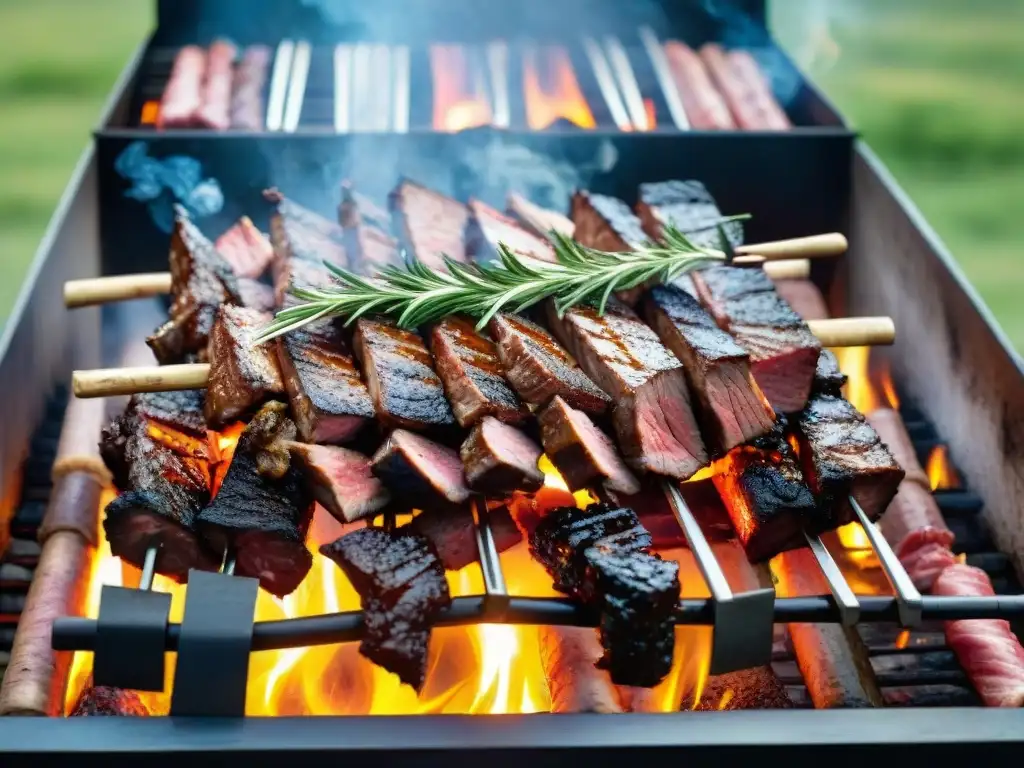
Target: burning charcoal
(401, 583)
(243, 374)
(689, 207)
(262, 510)
(366, 226)
(756, 688)
(431, 225)
(828, 378)
(605, 223)
(539, 369)
(488, 227)
(102, 700)
(341, 480)
(453, 533)
(246, 249)
(540, 221)
(499, 459)
(419, 470)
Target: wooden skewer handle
(813, 247)
(101, 290)
(106, 382)
(854, 331)
(788, 269)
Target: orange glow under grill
(460, 95)
(552, 90)
(940, 470)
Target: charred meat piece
(341, 480)
(828, 378)
(367, 227)
(431, 225)
(540, 221)
(298, 273)
(256, 295)
(731, 406)
(262, 509)
(420, 471)
(657, 431)
(182, 410)
(488, 227)
(843, 456)
(401, 583)
(605, 223)
(399, 373)
(453, 533)
(765, 495)
(499, 459)
(245, 248)
(330, 402)
(471, 372)
(581, 452)
(783, 351)
(104, 701)
(298, 233)
(538, 368)
(688, 207)
(243, 375)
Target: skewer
(148, 569)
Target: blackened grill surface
(688, 207)
(430, 225)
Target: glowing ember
(652, 121)
(150, 113)
(551, 90)
(941, 474)
(460, 93)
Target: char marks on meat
(605, 223)
(474, 381)
(262, 509)
(538, 368)
(243, 375)
(329, 400)
(420, 471)
(657, 431)
(367, 227)
(540, 221)
(498, 459)
(488, 227)
(782, 348)
(298, 233)
(341, 480)
(688, 207)
(828, 378)
(453, 533)
(731, 407)
(246, 249)
(401, 583)
(399, 373)
(430, 225)
(182, 409)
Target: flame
(941, 474)
(150, 113)
(903, 639)
(551, 90)
(652, 121)
(726, 698)
(870, 385)
(460, 96)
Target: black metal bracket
(212, 671)
(131, 633)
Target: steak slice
(657, 431)
(245, 248)
(298, 233)
(605, 223)
(453, 533)
(299, 273)
(401, 583)
(367, 227)
(783, 351)
(420, 471)
(540, 221)
(688, 207)
(731, 407)
(828, 377)
(581, 452)
(843, 456)
(262, 510)
(330, 402)
(468, 365)
(256, 295)
(400, 376)
(498, 459)
(430, 225)
(488, 227)
(341, 480)
(243, 375)
(538, 368)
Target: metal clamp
(496, 598)
(846, 600)
(130, 637)
(908, 599)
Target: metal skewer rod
(908, 599)
(148, 569)
(496, 593)
(849, 605)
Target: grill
(356, 97)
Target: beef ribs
(257, 295)
(420, 471)
(182, 409)
(828, 378)
(473, 378)
(731, 407)
(657, 431)
(540, 221)
(430, 225)
(538, 368)
(488, 227)
(399, 372)
(262, 510)
(498, 459)
(453, 533)
(688, 207)
(783, 351)
(330, 402)
(243, 375)
(605, 223)
(843, 456)
(245, 248)
(367, 227)
(401, 583)
(299, 273)
(298, 233)
(581, 452)
(341, 480)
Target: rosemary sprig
(416, 294)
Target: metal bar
(663, 72)
(279, 78)
(380, 66)
(490, 561)
(148, 569)
(497, 63)
(342, 87)
(628, 86)
(907, 596)
(400, 109)
(297, 86)
(849, 606)
(606, 81)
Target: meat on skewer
(540, 221)
(498, 459)
(215, 112)
(688, 207)
(246, 249)
(704, 105)
(367, 232)
(453, 533)
(183, 96)
(487, 228)
(419, 471)
(302, 240)
(745, 90)
(341, 480)
(430, 225)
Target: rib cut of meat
(453, 533)
(472, 374)
(401, 583)
(247, 107)
(419, 470)
(256, 295)
(704, 105)
(540, 221)
(782, 348)
(657, 431)
(399, 373)
(498, 459)
(243, 375)
(182, 410)
(431, 225)
(330, 402)
(341, 480)
(731, 406)
(605, 223)
(538, 368)
(183, 95)
(367, 227)
(298, 233)
(688, 207)
(215, 112)
(245, 248)
(488, 227)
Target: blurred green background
(935, 86)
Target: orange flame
(551, 90)
(652, 123)
(460, 96)
(150, 113)
(870, 385)
(941, 474)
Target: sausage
(214, 112)
(183, 95)
(759, 91)
(745, 91)
(704, 105)
(567, 656)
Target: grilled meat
(581, 452)
(539, 369)
(401, 583)
(783, 351)
(399, 373)
(488, 227)
(688, 207)
(298, 273)
(420, 471)
(243, 375)
(182, 410)
(605, 223)
(731, 407)
(341, 480)
(247, 107)
(247, 250)
(104, 701)
(367, 227)
(828, 378)
(262, 510)
(453, 533)
(499, 459)
(540, 221)
(468, 365)
(330, 402)
(257, 295)
(431, 225)
(183, 96)
(356, 209)
(298, 233)
(657, 431)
